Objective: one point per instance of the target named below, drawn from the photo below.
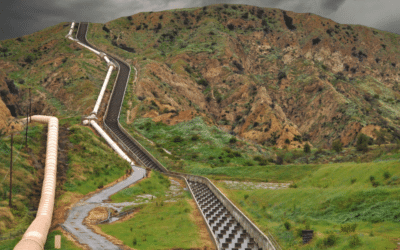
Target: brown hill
(267, 75)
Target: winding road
(74, 222)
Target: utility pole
(11, 163)
(30, 102)
(28, 111)
(27, 125)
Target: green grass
(283, 173)
(23, 175)
(328, 198)
(65, 243)
(92, 162)
(156, 185)
(158, 227)
(193, 144)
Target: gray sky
(22, 17)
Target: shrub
(337, 146)
(347, 228)
(353, 180)
(287, 225)
(354, 241)
(307, 148)
(279, 160)
(376, 183)
(246, 196)
(134, 242)
(293, 185)
(297, 138)
(203, 82)
(299, 232)
(386, 175)
(287, 141)
(362, 142)
(330, 240)
(177, 138)
(371, 178)
(257, 158)
(195, 137)
(233, 140)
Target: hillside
(221, 91)
(263, 74)
(65, 79)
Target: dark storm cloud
(332, 5)
(391, 24)
(22, 17)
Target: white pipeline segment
(36, 235)
(110, 142)
(103, 89)
(89, 48)
(71, 29)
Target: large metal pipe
(36, 235)
(103, 89)
(89, 48)
(71, 29)
(110, 142)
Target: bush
(362, 142)
(287, 141)
(354, 241)
(233, 140)
(371, 178)
(330, 240)
(293, 185)
(287, 225)
(386, 175)
(246, 196)
(195, 137)
(337, 146)
(347, 228)
(353, 180)
(297, 138)
(177, 138)
(203, 82)
(279, 160)
(307, 148)
(299, 232)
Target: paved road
(74, 222)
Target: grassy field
(158, 226)
(195, 144)
(65, 243)
(328, 201)
(156, 185)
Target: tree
(337, 145)
(279, 160)
(381, 136)
(362, 142)
(307, 148)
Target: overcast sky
(22, 17)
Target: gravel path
(77, 214)
(245, 185)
